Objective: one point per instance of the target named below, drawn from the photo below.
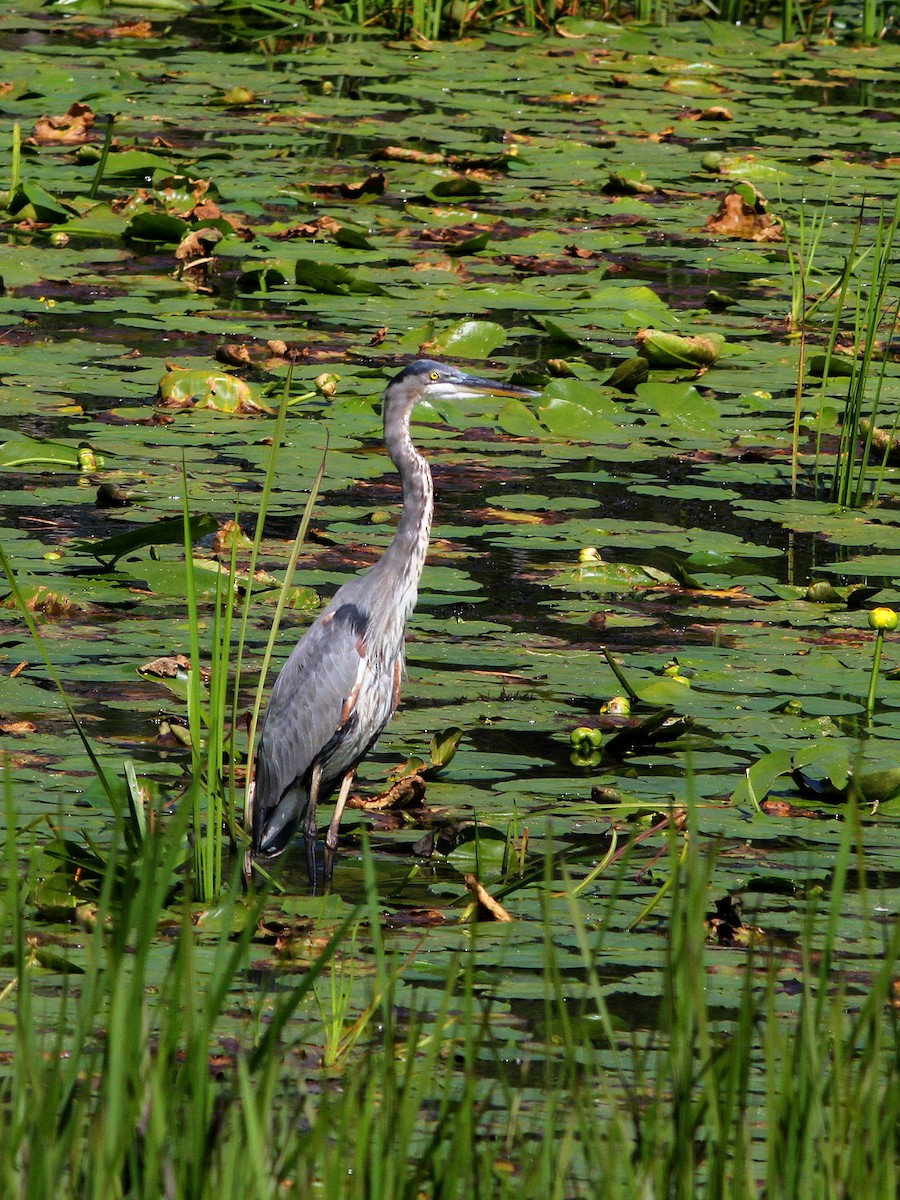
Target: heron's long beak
(492, 387)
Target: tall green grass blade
(104, 155)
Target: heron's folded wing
(313, 697)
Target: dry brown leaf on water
(716, 112)
(373, 185)
(737, 219)
(17, 728)
(581, 252)
(198, 243)
(488, 908)
(227, 535)
(782, 808)
(72, 129)
(51, 604)
(321, 226)
(132, 29)
(413, 918)
(405, 154)
(170, 665)
(208, 210)
(250, 354)
(408, 792)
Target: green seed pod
(581, 737)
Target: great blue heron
(341, 684)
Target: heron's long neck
(405, 557)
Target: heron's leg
(309, 823)
(331, 836)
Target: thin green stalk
(872, 22)
(850, 473)
(104, 155)
(882, 269)
(787, 20)
(829, 349)
(15, 163)
(881, 620)
(203, 868)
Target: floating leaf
(157, 227)
(662, 349)
(334, 280)
(31, 202)
(19, 450)
(467, 339)
(197, 388)
(159, 533)
(443, 746)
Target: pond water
(524, 205)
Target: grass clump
(155, 1059)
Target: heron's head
(435, 382)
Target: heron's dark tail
(275, 819)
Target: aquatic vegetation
(714, 878)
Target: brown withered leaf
(405, 154)
(782, 808)
(402, 918)
(208, 210)
(321, 226)
(132, 29)
(169, 665)
(72, 129)
(373, 185)
(408, 792)
(487, 908)
(228, 534)
(581, 252)
(17, 728)
(166, 667)
(198, 243)
(539, 264)
(240, 354)
(716, 112)
(737, 219)
(51, 604)
(251, 354)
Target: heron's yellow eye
(433, 376)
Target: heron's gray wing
(312, 704)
